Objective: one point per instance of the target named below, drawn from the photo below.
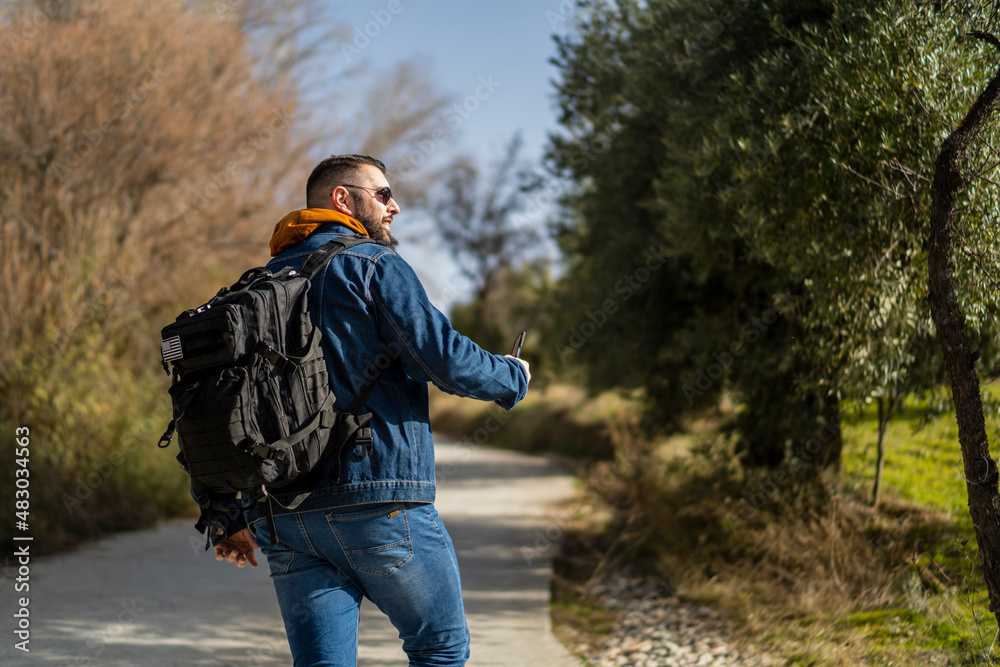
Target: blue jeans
(398, 555)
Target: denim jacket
(373, 311)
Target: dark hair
(333, 171)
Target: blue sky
(498, 51)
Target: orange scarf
(297, 225)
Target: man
(373, 532)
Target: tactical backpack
(252, 402)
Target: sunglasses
(383, 195)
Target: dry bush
(142, 145)
(788, 567)
(161, 131)
(138, 144)
(136, 136)
(146, 151)
(769, 547)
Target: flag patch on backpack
(170, 349)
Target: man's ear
(341, 201)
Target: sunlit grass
(923, 463)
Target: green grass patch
(923, 461)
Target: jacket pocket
(376, 542)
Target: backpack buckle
(267, 453)
(278, 360)
(364, 443)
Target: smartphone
(516, 350)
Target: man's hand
(238, 549)
(523, 362)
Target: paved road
(154, 598)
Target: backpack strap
(312, 267)
(346, 426)
(278, 450)
(318, 260)
(363, 438)
(180, 406)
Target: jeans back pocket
(376, 542)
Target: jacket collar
(298, 225)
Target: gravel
(656, 629)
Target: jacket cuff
(508, 402)
(224, 527)
(221, 521)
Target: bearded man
(370, 530)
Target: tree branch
(986, 37)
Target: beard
(371, 219)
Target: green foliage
(780, 155)
(849, 117)
(638, 106)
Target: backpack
(252, 403)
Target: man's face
(374, 215)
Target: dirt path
(154, 598)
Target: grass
(913, 594)
(945, 605)
(819, 578)
(923, 465)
